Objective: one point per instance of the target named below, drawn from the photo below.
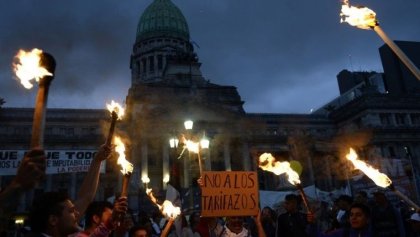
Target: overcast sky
(282, 55)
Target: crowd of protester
(55, 214)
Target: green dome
(162, 19)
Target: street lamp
(204, 143)
(173, 142)
(145, 180)
(188, 124)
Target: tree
(2, 102)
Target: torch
(365, 18)
(117, 112)
(167, 208)
(268, 162)
(126, 166)
(195, 148)
(380, 179)
(40, 66)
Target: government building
(377, 114)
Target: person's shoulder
(33, 234)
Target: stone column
(207, 161)
(226, 155)
(165, 164)
(409, 121)
(144, 159)
(186, 169)
(246, 161)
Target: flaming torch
(365, 18)
(40, 66)
(167, 208)
(117, 112)
(195, 148)
(126, 166)
(268, 163)
(377, 177)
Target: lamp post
(189, 144)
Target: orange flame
(361, 17)
(114, 106)
(126, 166)
(27, 67)
(269, 163)
(192, 146)
(167, 208)
(379, 178)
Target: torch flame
(269, 163)
(361, 17)
(167, 208)
(379, 178)
(126, 167)
(117, 108)
(192, 146)
(27, 67)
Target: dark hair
(271, 211)
(365, 209)
(191, 219)
(362, 193)
(49, 203)
(136, 228)
(345, 198)
(95, 208)
(291, 197)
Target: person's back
(386, 221)
(268, 221)
(292, 223)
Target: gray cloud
(283, 55)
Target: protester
(194, 220)
(361, 197)
(344, 203)
(268, 221)
(125, 224)
(186, 229)
(292, 223)
(359, 224)
(386, 220)
(139, 231)
(415, 224)
(54, 214)
(101, 217)
(30, 172)
(234, 225)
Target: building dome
(162, 19)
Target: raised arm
(89, 185)
(30, 172)
(260, 228)
(167, 229)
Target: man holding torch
(54, 214)
(292, 223)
